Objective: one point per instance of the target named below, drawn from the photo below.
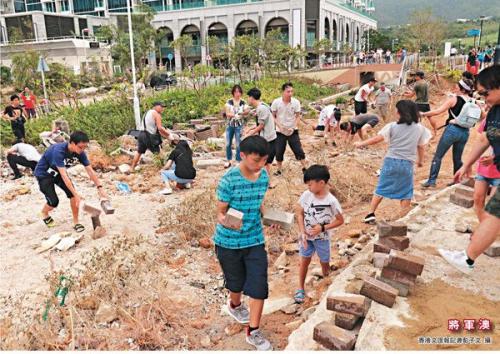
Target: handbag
(151, 140)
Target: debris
(123, 187)
(50, 242)
(308, 312)
(294, 324)
(278, 217)
(282, 261)
(291, 248)
(333, 337)
(205, 242)
(63, 289)
(379, 291)
(233, 219)
(209, 163)
(205, 341)
(290, 309)
(233, 329)
(65, 243)
(354, 233)
(99, 232)
(96, 222)
(105, 313)
(124, 168)
(403, 289)
(378, 247)
(273, 305)
(463, 227)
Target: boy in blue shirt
(51, 171)
(241, 253)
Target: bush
(110, 118)
(5, 75)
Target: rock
(290, 309)
(317, 272)
(294, 325)
(291, 248)
(233, 329)
(124, 168)
(363, 238)
(198, 324)
(354, 233)
(87, 303)
(197, 284)
(308, 312)
(273, 305)
(105, 314)
(351, 251)
(282, 261)
(205, 342)
(358, 246)
(415, 227)
(98, 232)
(349, 242)
(65, 244)
(463, 227)
(205, 242)
(342, 252)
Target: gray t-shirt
(285, 112)
(403, 139)
(383, 97)
(264, 116)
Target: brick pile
(463, 196)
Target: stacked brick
(463, 196)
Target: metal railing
(43, 40)
(194, 5)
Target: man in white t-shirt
(22, 154)
(328, 121)
(286, 112)
(362, 97)
(383, 100)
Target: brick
(346, 320)
(379, 291)
(380, 248)
(319, 133)
(405, 262)
(396, 242)
(493, 250)
(91, 209)
(464, 190)
(124, 168)
(209, 163)
(107, 207)
(469, 182)
(403, 289)
(379, 259)
(391, 229)
(196, 121)
(233, 219)
(461, 200)
(96, 222)
(278, 217)
(349, 303)
(399, 276)
(332, 337)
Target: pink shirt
(490, 171)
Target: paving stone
(379, 259)
(403, 289)
(493, 250)
(380, 248)
(209, 163)
(464, 190)
(107, 207)
(233, 219)
(405, 262)
(278, 217)
(346, 320)
(124, 168)
(399, 276)
(379, 291)
(396, 242)
(348, 303)
(91, 209)
(461, 200)
(386, 229)
(333, 337)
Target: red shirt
(29, 101)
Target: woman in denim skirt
(406, 139)
(234, 110)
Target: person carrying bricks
(241, 252)
(488, 86)
(318, 213)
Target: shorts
(373, 122)
(494, 182)
(360, 107)
(320, 246)
(493, 206)
(47, 187)
(294, 143)
(423, 107)
(143, 145)
(320, 128)
(272, 152)
(245, 270)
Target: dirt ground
(156, 267)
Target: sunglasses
(484, 93)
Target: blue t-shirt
(245, 196)
(56, 156)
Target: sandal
(300, 296)
(49, 221)
(79, 228)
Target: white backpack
(469, 115)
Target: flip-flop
(79, 228)
(299, 296)
(49, 221)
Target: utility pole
(481, 31)
(137, 110)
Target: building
(301, 22)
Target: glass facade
(19, 6)
(33, 5)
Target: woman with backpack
(234, 110)
(456, 133)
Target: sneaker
(257, 339)
(457, 259)
(239, 313)
(428, 185)
(370, 218)
(166, 191)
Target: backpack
(469, 115)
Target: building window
(19, 6)
(33, 5)
(65, 5)
(50, 6)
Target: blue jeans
(453, 136)
(230, 133)
(169, 175)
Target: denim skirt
(396, 179)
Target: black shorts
(143, 145)
(294, 143)
(423, 107)
(272, 152)
(245, 270)
(360, 107)
(47, 188)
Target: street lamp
(394, 40)
(481, 30)
(137, 110)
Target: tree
(218, 49)
(24, 67)
(320, 47)
(244, 51)
(425, 32)
(183, 44)
(378, 39)
(274, 49)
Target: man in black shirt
(488, 85)
(15, 114)
(179, 167)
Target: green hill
(395, 12)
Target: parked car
(160, 81)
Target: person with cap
(421, 92)
(454, 135)
(150, 136)
(179, 168)
(361, 98)
(383, 100)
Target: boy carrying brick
(318, 213)
(241, 253)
